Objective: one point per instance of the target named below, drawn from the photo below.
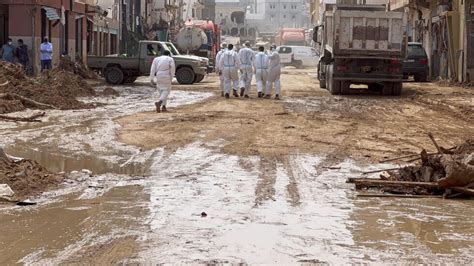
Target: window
(416, 50)
(284, 50)
(152, 50)
(272, 6)
(284, 6)
(284, 16)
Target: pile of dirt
(26, 177)
(77, 68)
(109, 91)
(57, 88)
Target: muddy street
(252, 181)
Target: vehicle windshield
(172, 48)
(416, 50)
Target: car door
(286, 54)
(148, 52)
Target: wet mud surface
(269, 175)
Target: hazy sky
(106, 3)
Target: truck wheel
(322, 82)
(334, 86)
(198, 78)
(345, 87)
(185, 75)
(298, 64)
(397, 88)
(130, 80)
(387, 88)
(114, 75)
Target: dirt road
(268, 175)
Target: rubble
(57, 88)
(436, 174)
(26, 177)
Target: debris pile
(26, 177)
(56, 89)
(448, 172)
(77, 68)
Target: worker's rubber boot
(236, 94)
(227, 96)
(158, 106)
(277, 97)
(242, 91)
(163, 109)
(260, 95)
(246, 96)
(222, 93)
(268, 96)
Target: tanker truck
(200, 38)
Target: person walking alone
(274, 73)
(46, 55)
(8, 51)
(260, 65)
(163, 69)
(229, 64)
(246, 57)
(218, 70)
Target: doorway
(3, 24)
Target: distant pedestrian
(274, 72)
(46, 55)
(218, 70)
(8, 51)
(22, 54)
(163, 69)
(260, 65)
(229, 64)
(246, 57)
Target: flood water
(146, 207)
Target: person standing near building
(22, 54)
(218, 70)
(246, 57)
(274, 72)
(46, 55)
(229, 64)
(8, 51)
(260, 65)
(163, 69)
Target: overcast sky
(106, 3)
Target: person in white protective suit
(260, 65)
(229, 64)
(274, 72)
(163, 69)
(219, 71)
(246, 57)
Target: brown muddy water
(145, 207)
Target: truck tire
(397, 88)
(198, 78)
(387, 88)
(185, 76)
(322, 82)
(114, 75)
(334, 86)
(129, 80)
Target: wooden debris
(369, 182)
(33, 118)
(381, 170)
(26, 101)
(398, 196)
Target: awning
(51, 13)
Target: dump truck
(124, 69)
(291, 36)
(362, 45)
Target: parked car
(298, 56)
(416, 63)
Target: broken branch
(33, 118)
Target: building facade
(63, 22)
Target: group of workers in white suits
(265, 66)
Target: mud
(270, 175)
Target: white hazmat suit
(246, 57)
(261, 71)
(219, 71)
(274, 72)
(163, 69)
(229, 64)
